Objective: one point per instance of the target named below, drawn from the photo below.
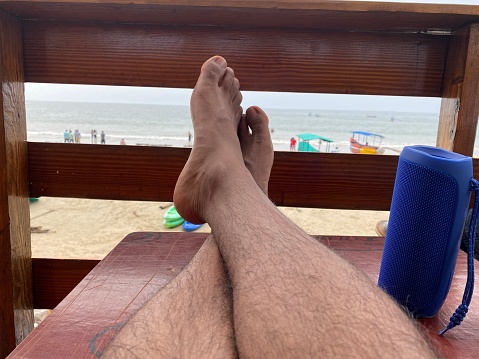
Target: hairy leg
(192, 315)
(291, 295)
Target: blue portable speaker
(428, 210)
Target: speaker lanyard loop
(461, 311)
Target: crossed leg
(292, 297)
(192, 316)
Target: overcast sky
(49, 92)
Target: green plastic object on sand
(173, 224)
(171, 218)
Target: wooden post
(7, 325)
(460, 100)
(16, 303)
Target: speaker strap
(461, 311)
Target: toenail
(219, 60)
(253, 110)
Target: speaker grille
(421, 218)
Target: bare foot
(216, 156)
(256, 146)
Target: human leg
(192, 315)
(292, 296)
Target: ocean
(162, 125)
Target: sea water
(163, 125)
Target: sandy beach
(90, 229)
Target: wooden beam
(7, 322)
(460, 103)
(292, 14)
(141, 264)
(145, 55)
(298, 179)
(149, 173)
(54, 279)
(14, 128)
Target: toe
(228, 79)
(213, 69)
(238, 115)
(237, 99)
(257, 120)
(234, 88)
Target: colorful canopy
(310, 136)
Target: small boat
(365, 142)
(305, 146)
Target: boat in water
(365, 142)
(304, 144)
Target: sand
(90, 229)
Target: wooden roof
(340, 15)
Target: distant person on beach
(77, 136)
(259, 286)
(102, 137)
(70, 136)
(66, 136)
(122, 142)
(93, 136)
(189, 136)
(292, 144)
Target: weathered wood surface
(16, 227)
(343, 15)
(85, 322)
(54, 279)
(7, 323)
(145, 55)
(460, 103)
(298, 179)
(343, 47)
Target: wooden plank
(7, 322)
(343, 15)
(298, 179)
(460, 103)
(14, 122)
(104, 172)
(54, 279)
(145, 55)
(85, 322)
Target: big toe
(257, 121)
(213, 69)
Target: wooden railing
(309, 46)
(299, 179)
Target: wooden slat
(92, 314)
(14, 122)
(145, 55)
(7, 322)
(150, 173)
(299, 179)
(104, 172)
(460, 104)
(345, 15)
(54, 279)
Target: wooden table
(83, 324)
